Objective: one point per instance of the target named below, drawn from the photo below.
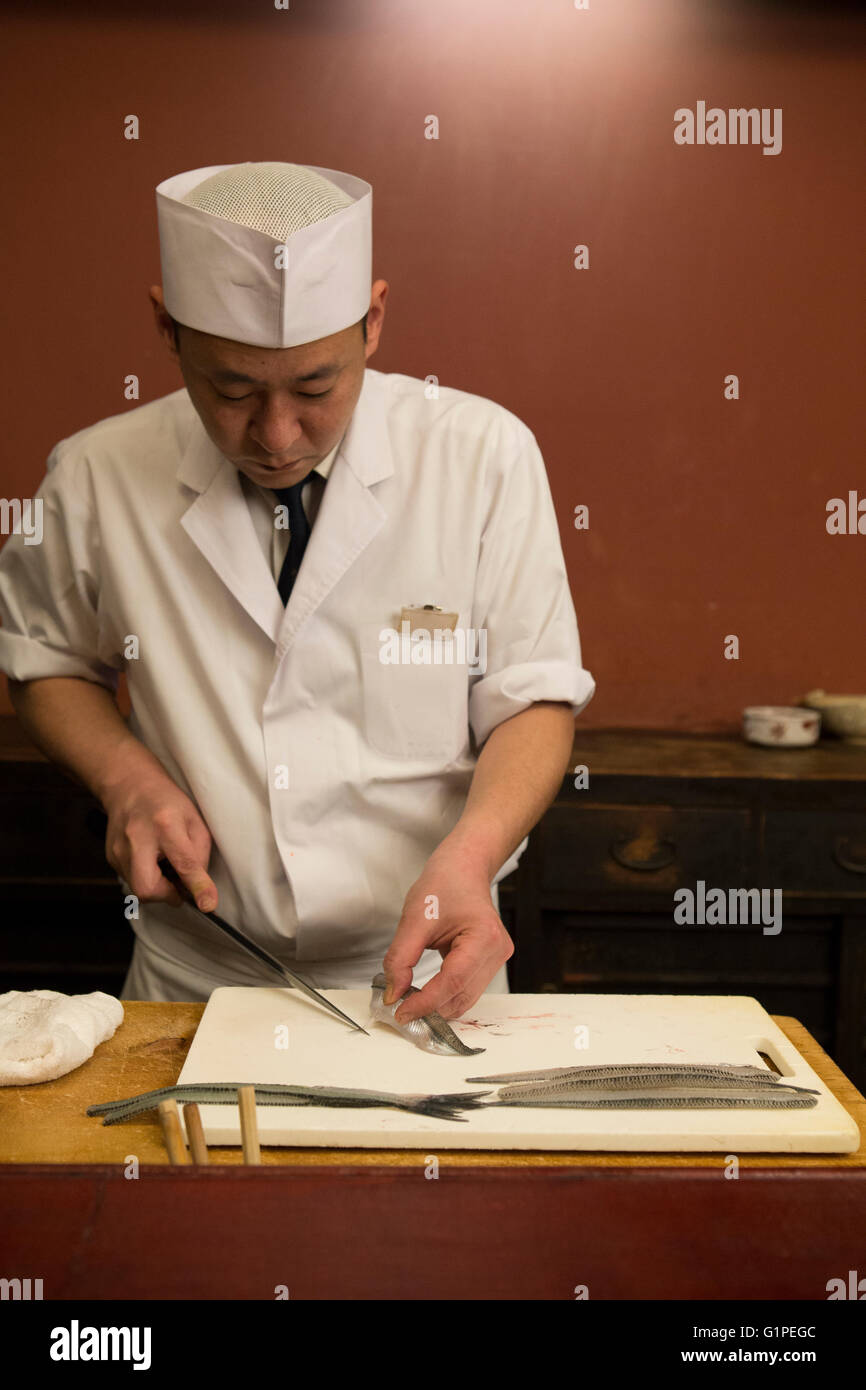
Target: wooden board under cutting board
(239, 1037)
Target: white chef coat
(325, 777)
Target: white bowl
(844, 715)
(781, 726)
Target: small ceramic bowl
(780, 726)
(844, 715)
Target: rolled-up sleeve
(49, 590)
(522, 600)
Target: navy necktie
(299, 534)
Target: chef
(339, 601)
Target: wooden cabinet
(591, 906)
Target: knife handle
(168, 871)
(97, 823)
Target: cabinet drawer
(792, 974)
(811, 851)
(650, 953)
(590, 851)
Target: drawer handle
(638, 853)
(840, 854)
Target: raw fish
(439, 1107)
(651, 1085)
(431, 1033)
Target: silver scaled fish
(646, 1086)
(639, 1074)
(438, 1107)
(431, 1033)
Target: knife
(265, 957)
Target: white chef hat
(270, 254)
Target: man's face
(274, 412)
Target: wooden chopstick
(249, 1128)
(195, 1132)
(169, 1118)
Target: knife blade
(253, 948)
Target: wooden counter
(368, 1224)
(48, 1124)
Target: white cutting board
(239, 1037)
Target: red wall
(707, 516)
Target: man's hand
(517, 775)
(466, 930)
(77, 724)
(149, 817)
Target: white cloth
(234, 281)
(326, 778)
(44, 1034)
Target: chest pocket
(413, 710)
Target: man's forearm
(519, 771)
(77, 724)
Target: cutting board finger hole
(769, 1062)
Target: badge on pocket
(426, 617)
